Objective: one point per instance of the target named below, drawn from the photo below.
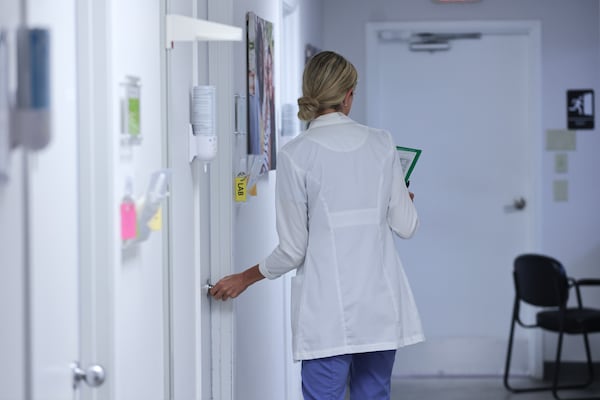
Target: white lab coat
(340, 193)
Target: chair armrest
(582, 282)
(588, 282)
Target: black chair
(541, 281)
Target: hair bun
(308, 108)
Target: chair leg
(508, 361)
(557, 366)
(589, 359)
(556, 388)
(508, 355)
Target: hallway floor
(473, 389)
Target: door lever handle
(207, 287)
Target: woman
(340, 195)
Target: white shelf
(187, 29)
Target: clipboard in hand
(408, 160)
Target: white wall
(263, 347)
(569, 231)
(258, 312)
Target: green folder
(408, 159)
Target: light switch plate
(561, 190)
(560, 139)
(561, 163)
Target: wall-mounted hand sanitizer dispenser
(203, 139)
(32, 118)
(131, 131)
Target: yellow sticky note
(240, 188)
(155, 222)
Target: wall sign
(580, 109)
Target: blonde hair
(327, 78)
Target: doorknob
(517, 205)
(94, 375)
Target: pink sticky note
(128, 220)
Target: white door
(473, 112)
(123, 296)
(188, 261)
(38, 222)
(199, 244)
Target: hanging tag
(240, 188)
(128, 213)
(155, 223)
(253, 191)
(128, 220)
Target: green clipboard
(408, 159)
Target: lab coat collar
(330, 119)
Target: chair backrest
(540, 280)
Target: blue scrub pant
(368, 376)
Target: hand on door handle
(231, 286)
(228, 287)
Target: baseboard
(571, 371)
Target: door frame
(212, 214)
(96, 169)
(220, 74)
(534, 141)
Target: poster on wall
(261, 91)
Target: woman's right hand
(233, 285)
(229, 287)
